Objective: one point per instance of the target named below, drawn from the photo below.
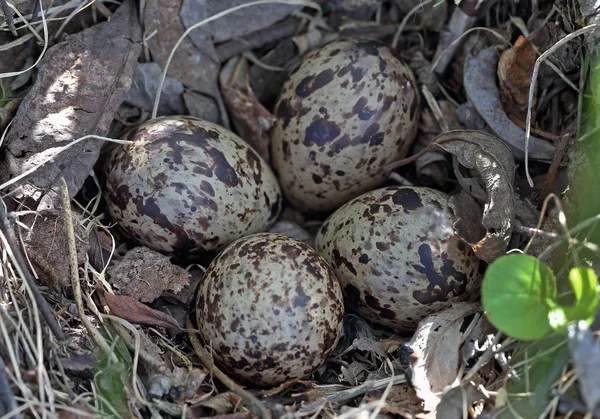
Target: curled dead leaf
(133, 311)
(435, 352)
(495, 168)
(482, 90)
(493, 164)
(251, 119)
(514, 77)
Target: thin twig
(561, 149)
(386, 392)
(348, 394)
(75, 284)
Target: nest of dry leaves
(82, 332)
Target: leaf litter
(144, 274)
(80, 85)
(263, 44)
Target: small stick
(94, 333)
(40, 301)
(345, 395)
(554, 166)
(255, 405)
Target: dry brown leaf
(482, 91)
(133, 311)
(236, 24)
(251, 119)
(354, 373)
(467, 213)
(79, 87)
(363, 343)
(145, 85)
(144, 274)
(392, 343)
(495, 167)
(47, 246)
(218, 405)
(514, 78)
(201, 106)
(435, 358)
(266, 84)
(401, 401)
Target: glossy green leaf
(517, 291)
(584, 283)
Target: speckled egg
(187, 186)
(271, 309)
(397, 256)
(346, 112)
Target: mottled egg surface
(187, 186)
(397, 257)
(346, 112)
(271, 309)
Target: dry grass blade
(10, 241)
(534, 76)
(45, 25)
(75, 283)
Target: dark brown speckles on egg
(186, 186)
(287, 319)
(351, 106)
(408, 261)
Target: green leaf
(584, 283)
(516, 293)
